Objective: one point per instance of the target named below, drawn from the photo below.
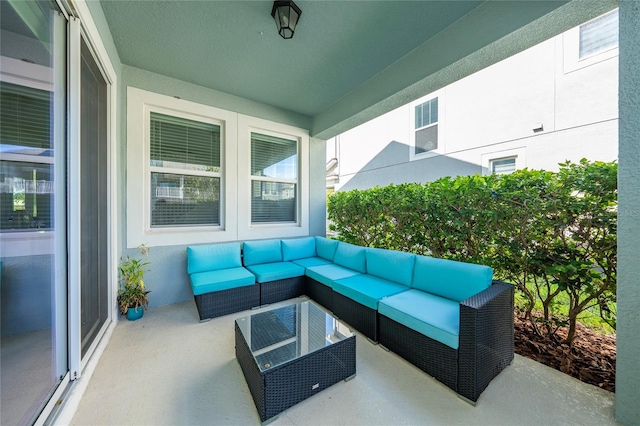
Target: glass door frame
(82, 28)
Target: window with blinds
(26, 168)
(426, 126)
(599, 35)
(25, 119)
(274, 179)
(185, 170)
(503, 166)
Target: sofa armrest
(480, 300)
(486, 338)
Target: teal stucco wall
(628, 327)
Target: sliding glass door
(33, 200)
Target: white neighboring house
(554, 102)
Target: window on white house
(26, 168)
(599, 35)
(426, 127)
(185, 171)
(503, 165)
(274, 179)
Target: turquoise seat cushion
(434, 316)
(223, 279)
(448, 278)
(367, 289)
(326, 248)
(310, 262)
(266, 272)
(396, 266)
(213, 257)
(351, 256)
(298, 248)
(257, 252)
(327, 274)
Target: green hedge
(551, 234)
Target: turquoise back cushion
(396, 266)
(257, 252)
(350, 256)
(298, 248)
(447, 278)
(326, 248)
(213, 257)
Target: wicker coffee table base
(281, 387)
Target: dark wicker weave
(360, 317)
(320, 293)
(431, 356)
(485, 343)
(486, 338)
(276, 291)
(281, 387)
(218, 303)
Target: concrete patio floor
(168, 368)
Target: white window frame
(140, 104)
(440, 95)
(492, 163)
(488, 158)
(32, 241)
(247, 230)
(571, 50)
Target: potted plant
(132, 295)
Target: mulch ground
(591, 358)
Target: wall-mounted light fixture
(286, 15)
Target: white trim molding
(517, 153)
(247, 230)
(140, 103)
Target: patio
(222, 63)
(170, 369)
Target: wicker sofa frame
(224, 302)
(360, 317)
(485, 343)
(485, 340)
(275, 291)
(320, 293)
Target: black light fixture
(286, 14)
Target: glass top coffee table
(290, 353)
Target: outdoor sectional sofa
(448, 318)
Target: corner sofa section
(448, 318)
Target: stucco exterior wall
(628, 338)
(493, 113)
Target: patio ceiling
(345, 57)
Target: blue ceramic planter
(135, 313)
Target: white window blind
(26, 170)
(503, 166)
(25, 118)
(274, 179)
(599, 34)
(185, 172)
(426, 126)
